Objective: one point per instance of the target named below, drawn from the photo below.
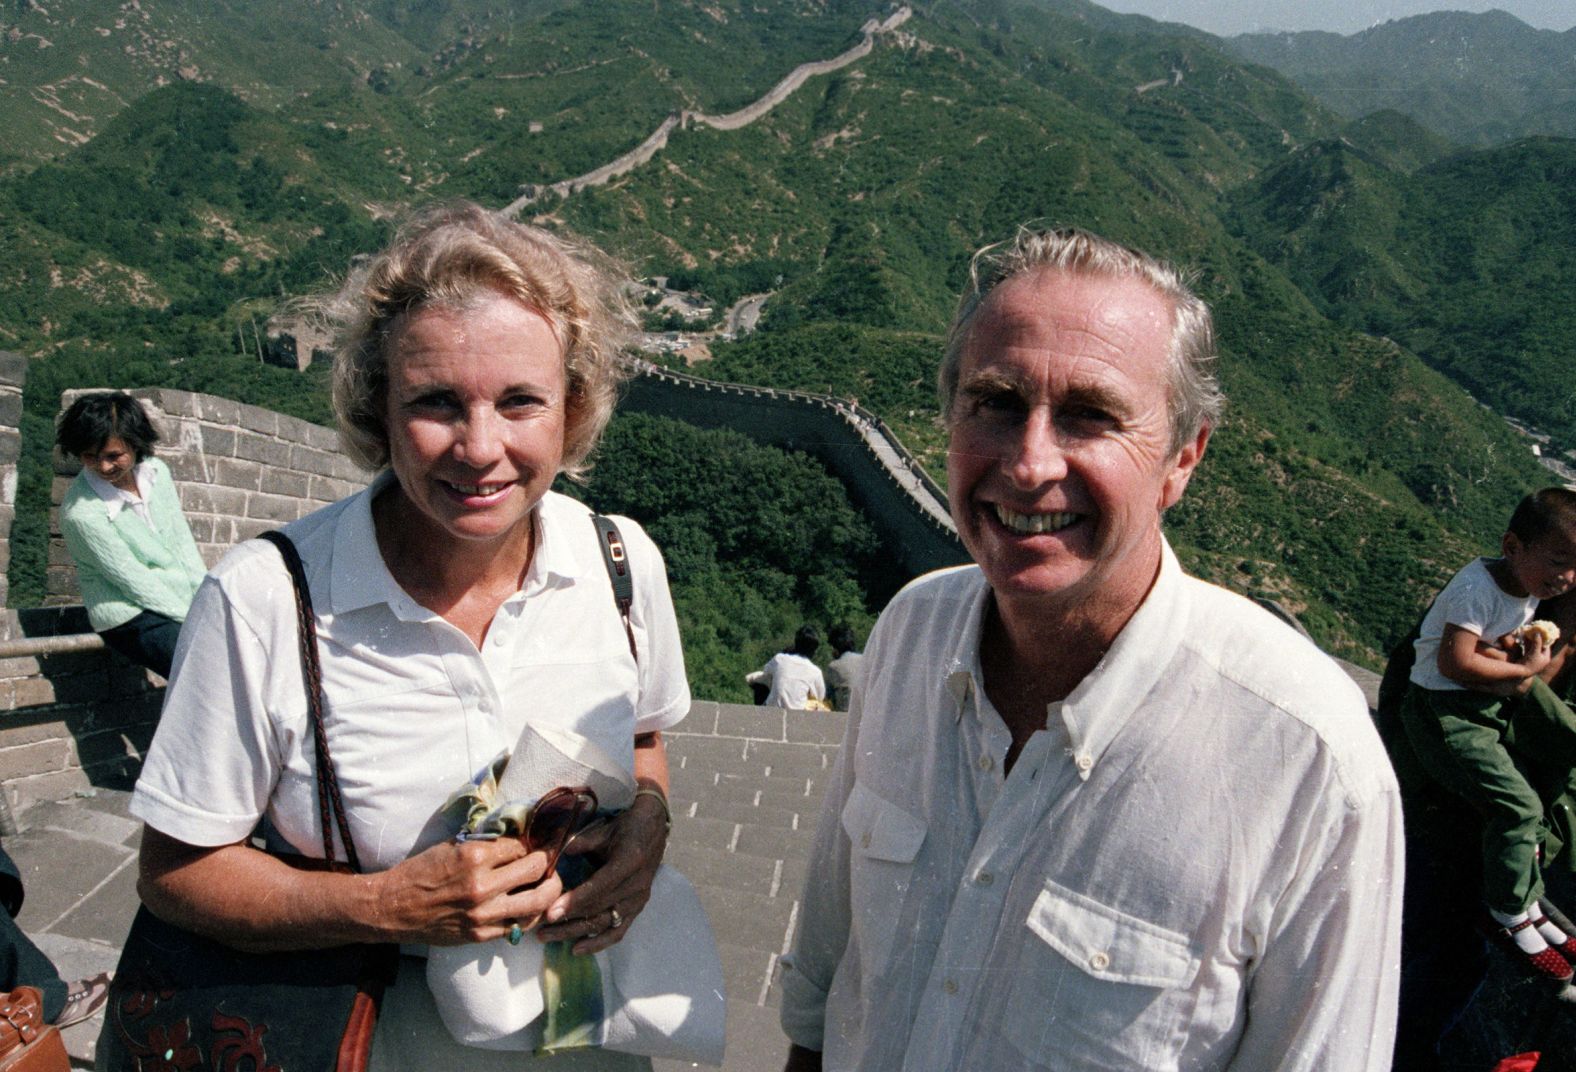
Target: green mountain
(1478, 79)
(1464, 262)
(154, 248)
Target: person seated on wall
(842, 673)
(790, 678)
(137, 564)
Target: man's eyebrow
(1100, 397)
(990, 383)
(986, 383)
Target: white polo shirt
(413, 709)
(1196, 865)
(794, 681)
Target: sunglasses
(556, 818)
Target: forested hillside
(1351, 268)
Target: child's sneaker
(1548, 963)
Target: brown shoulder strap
(616, 558)
(331, 808)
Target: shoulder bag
(180, 1000)
(27, 1044)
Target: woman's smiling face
(475, 414)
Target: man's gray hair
(1196, 399)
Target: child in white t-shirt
(1475, 682)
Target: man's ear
(1182, 467)
(1510, 545)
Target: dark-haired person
(792, 680)
(137, 564)
(842, 673)
(1476, 654)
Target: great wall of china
(658, 139)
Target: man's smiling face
(1060, 460)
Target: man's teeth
(1033, 524)
(477, 489)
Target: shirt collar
(1103, 703)
(362, 579)
(559, 557)
(117, 499)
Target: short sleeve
(214, 762)
(664, 686)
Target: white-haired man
(1092, 813)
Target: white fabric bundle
(661, 984)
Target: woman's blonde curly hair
(451, 255)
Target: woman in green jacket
(137, 564)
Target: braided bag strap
(331, 808)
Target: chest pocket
(1098, 983)
(884, 841)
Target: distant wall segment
(901, 500)
(13, 375)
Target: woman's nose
(480, 441)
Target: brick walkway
(747, 787)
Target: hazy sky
(1243, 16)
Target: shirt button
(1085, 762)
(985, 763)
(950, 986)
(984, 878)
(864, 839)
(1099, 961)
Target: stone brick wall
(77, 716)
(13, 374)
(70, 720)
(240, 469)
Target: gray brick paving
(743, 778)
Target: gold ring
(618, 920)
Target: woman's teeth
(477, 489)
(1033, 524)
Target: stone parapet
(13, 374)
(73, 719)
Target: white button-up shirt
(117, 499)
(1196, 865)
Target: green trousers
(1503, 757)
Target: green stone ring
(516, 932)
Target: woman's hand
(475, 891)
(632, 844)
(447, 895)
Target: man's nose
(1036, 456)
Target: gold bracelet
(661, 798)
